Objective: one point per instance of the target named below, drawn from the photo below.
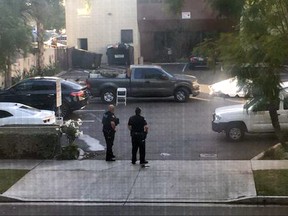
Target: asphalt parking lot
(178, 131)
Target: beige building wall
(26, 63)
(22, 64)
(101, 22)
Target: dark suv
(40, 92)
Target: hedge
(33, 142)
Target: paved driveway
(178, 131)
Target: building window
(83, 43)
(127, 36)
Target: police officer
(138, 130)
(109, 122)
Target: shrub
(277, 153)
(71, 129)
(37, 146)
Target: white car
(17, 113)
(228, 87)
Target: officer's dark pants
(138, 143)
(109, 138)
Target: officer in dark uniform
(109, 122)
(139, 129)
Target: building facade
(165, 33)
(155, 32)
(94, 25)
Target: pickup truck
(145, 81)
(251, 117)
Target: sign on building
(186, 15)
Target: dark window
(127, 36)
(263, 105)
(83, 43)
(5, 114)
(24, 86)
(286, 103)
(138, 73)
(163, 40)
(152, 74)
(44, 85)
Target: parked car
(17, 113)
(252, 117)
(228, 88)
(197, 61)
(40, 92)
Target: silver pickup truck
(145, 81)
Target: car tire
(235, 132)
(181, 95)
(108, 96)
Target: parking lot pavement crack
(134, 182)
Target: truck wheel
(235, 132)
(181, 95)
(108, 96)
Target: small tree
(227, 8)
(41, 11)
(259, 49)
(15, 35)
(71, 129)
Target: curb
(263, 200)
(8, 199)
(259, 156)
(258, 200)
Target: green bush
(36, 146)
(48, 70)
(70, 129)
(69, 152)
(277, 153)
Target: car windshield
(169, 74)
(250, 103)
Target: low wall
(29, 142)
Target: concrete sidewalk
(121, 182)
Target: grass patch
(271, 182)
(8, 177)
(277, 153)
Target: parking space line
(88, 121)
(202, 99)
